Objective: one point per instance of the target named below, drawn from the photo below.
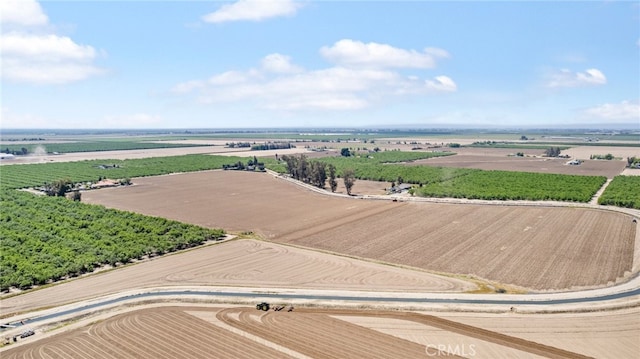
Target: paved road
(260, 296)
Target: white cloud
(625, 110)
(348, 52)
(40, 58)
(442, 83)
(281, 85)
(45, 59)
(22, 12)
(567, 78)
(52, 47)
(253, 10)
(279, 63)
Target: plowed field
(192, 332)
(538, 248)
(534, 247)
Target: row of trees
(252, 165)
(506, 185)
(272, 146)
(45, 239)
(15, 151)
(317, 172)
(608, 157)
(622, 192)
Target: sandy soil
(533, 247)
(598, 334)
(585, 152)
(195, 332)
(240, 263)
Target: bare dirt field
(585, 152)
(198, 332)
(499, 159)
(240, 263)
(532, 247)
(235, 201)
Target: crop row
(623, 191)
(28, 175)
(48, 238)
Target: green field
(469, 183)
(623, 191)
(29, 175)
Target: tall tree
(552, 152)
(332, 178)
(302, 168)
(349, 178)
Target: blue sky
(280, 63)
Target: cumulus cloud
(52, 47)
(279, 84)
(567, 78)
(22, 12)
(625, 110)
(46, 59)
(253, 10)
(352, 53)
(38, 58)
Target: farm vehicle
(265, 307)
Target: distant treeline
(272, 146)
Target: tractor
(262, 306)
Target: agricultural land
(489, 248)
